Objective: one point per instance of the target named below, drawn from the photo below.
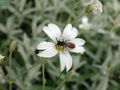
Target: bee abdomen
(70, 45)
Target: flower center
(60, 45)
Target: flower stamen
(60, 45)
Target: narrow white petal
(49, 52)
(69, 32)
(78, 41)
(55, 29)
(62, 61)
(52, 31)
(78, 49)
(66, 60)
(49, 33)
(44, 45)
(69, 61)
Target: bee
(70, 45)
(66, 44)
(61, 45)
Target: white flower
(97, 7)
(94, 6)
(62, 44)
(85, 24)
(2, 57)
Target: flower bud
(42, 61)
(89, 8)
(11, 81)
(12, 46)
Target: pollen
(59, 47)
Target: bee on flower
(62, 44)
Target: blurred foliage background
(22, 21)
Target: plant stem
(10, 87)
(43, 76)
(58, 78)
(10, 66)
(60, 85)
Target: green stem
(58, 78)
(43, 76)
(60, 85)
(10, 87)
(10, 66)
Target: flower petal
(55, 29)
(84, 19)
(62, 61)
(49, 52)
(44, 45)
(78, 49)
(81, 26)
(65, 60)
(69, 32)
(2, 57)
(78, 41)
(97, 7)
(52, 31)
